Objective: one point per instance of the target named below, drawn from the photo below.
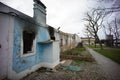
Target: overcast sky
(67, 14)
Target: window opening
(61, 42)
(51, 32)
(66, 41)
(28, 38)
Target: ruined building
(27, 43)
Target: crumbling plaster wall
(43, 52)
(69, 41)
(6, 41)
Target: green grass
(97, 46)
(77, 51)
(93, 46)
(111, 53)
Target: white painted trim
(11, 47)
(33, 47)
(17, 76)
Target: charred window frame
(73, 36)
(66, 41)
(61, 42)
(28, 42)
(51, 32)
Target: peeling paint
(44, 52)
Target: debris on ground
(88, 71)
(66, 65)
(43, 69)
(76, 57)
(81, 67)
(77, 54)
(72, 68)
(66, 62)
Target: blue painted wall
(21, 63)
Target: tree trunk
(101, 47)
(89, 41)
(95, 42)
(116, 42)
(100, 43)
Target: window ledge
(28, 54)
(49, 41)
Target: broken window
(73, 36)
(28, 39)
(51, 32)
(61, 42)
(66, 41)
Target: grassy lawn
(97, 46)
(111, 53)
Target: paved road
(111, 68)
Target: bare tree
(113, 28)
(95, 20)
(88, 34)
(115, 7)
(109, 34)
(116, 31)
(108, 29)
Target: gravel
(90, 71)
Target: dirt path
(111, 68)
